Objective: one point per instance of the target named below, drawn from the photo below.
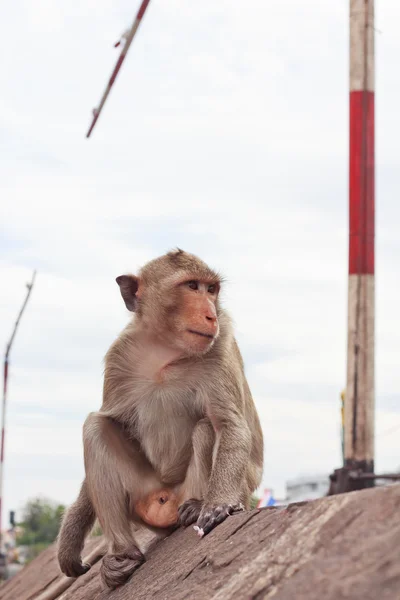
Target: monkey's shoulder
(225, 356)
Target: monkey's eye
(162, 500)
(212, 288)
(193, 285)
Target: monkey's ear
(128, 286)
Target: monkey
(177, 418)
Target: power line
(389, 431)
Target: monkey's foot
(211, 516)
(117, 568)
(72, 567)
(189, 512)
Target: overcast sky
(226, 134)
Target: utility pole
(359, 435)
(359, 403)
(359, 399)
(342, 398)
(3, 416)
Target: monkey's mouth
(206, 335)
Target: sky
(226, 134)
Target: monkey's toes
(211, 516)
(117, 568)
(189, 512)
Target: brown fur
(177, 412)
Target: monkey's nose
(210, 313)
(211, 318)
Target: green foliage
(253, 502)
(40, 524)
(96, 529)
(35, 550)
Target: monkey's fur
(177, 413)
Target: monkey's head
(175, 297)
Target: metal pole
(360, 390)
(121, 58)
(3, 415)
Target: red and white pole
(3, 430)
(4, 404)
(360, 392)
(128, 40)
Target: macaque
(177, 440)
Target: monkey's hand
(213, 515)
(189, 512)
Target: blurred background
(226, 134)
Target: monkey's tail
(117, 568)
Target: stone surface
(341, 547)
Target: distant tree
(40, 524)
(254, 501)
(96, 531)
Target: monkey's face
(175, 298)
(193, 319)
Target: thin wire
(388, 431)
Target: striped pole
(360, 390)
(5, 382)
(121, 58)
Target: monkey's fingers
(211, 516)
(189, 512)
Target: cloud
(227, 134)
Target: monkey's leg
(76, 524)
(198, 473)
(117, 475)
